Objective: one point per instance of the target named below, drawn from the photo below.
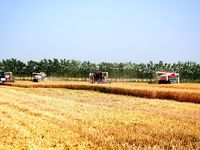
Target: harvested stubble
(41, 118)
(173, 92)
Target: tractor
(99, 77)
(37, 77)
(165, 76)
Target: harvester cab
(164, 77)
(37, 77)
(99, 77)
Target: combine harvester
(2, 77)
(9, 77)
(37, 77)
(99, 77)
(167, 77)
(6, 77)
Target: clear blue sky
(101, 30)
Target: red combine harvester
(163, 77)
(99, 77)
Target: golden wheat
(47, 118)
(181, 92)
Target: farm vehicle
(2, 77)
(37, 77)
(6, 77)
(99, 77)
(164, 77)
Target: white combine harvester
(9, 77)
(37, 77)
(163, 77)
(6, 77)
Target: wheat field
(179, 92)
(60, 118)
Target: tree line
(189, 71)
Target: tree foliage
(189, 71)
